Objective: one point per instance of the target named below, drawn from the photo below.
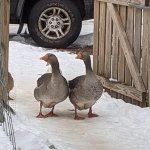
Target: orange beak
(45, 58)
(79, 56)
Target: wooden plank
(126, 48)
(5, 31)
(121, 59)
(108, 45)
(137, 36)
(139, 2)
(5, 35)
(137, 39)
(130, 33)
(102, 29)
(96, 36)
(0, 43)
(147, 25)
(145, 56)
(0, 23)
(122, 89)
(119, 2)
(127, 2)
(114, 59)
(145, 48)
(115, 42)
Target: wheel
(54, 23)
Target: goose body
(48, 87)
(85, 90)
(52, 88)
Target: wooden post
(5, 31)
(4, 37)
(0, 26)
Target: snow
(120, 126)
(4, 141)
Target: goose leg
(90, 114)
(40, 115)
(51, 113)
(76, 117)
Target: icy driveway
(120, 126)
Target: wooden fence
(122, 48)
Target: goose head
(52, 60)
(83, 56)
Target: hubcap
(54, 23)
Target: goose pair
(53, 88)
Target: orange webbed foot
(91, 115)
(78, 118)
(51, 114)
(40, 115)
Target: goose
(10, 85)
(52, 88)
(86, 89)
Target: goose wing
(45, 78)
(73, 83)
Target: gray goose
(86, 89)
(10, 84)
(52, 88)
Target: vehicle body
(51, 23)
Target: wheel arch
(27, 9)
(81, 6)
(86, 8)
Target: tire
(54, 23)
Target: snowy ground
(120, 126)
